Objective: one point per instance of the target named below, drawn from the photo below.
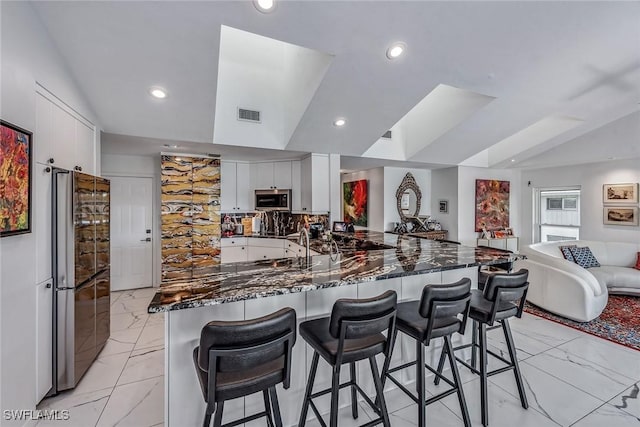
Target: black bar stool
(352, 333)
(441, 312)
(236, 359)
(503, 297)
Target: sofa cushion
(619, 277)
(637, 266)
(566, 252)
(584, 258)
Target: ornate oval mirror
(409, 198)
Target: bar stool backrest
(361, 318)
(241, 345)
(504, 290)
(447, 300)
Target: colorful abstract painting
(355, 200)
(492, 204)
(15, 180)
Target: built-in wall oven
(273, 200)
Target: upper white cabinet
(62, 139)
(271, 175)
(296, 185)
(43, 145)
(282, 174)
(227, 186)
(236, 194)
(244, 192)
(84, 149)
(314, 181)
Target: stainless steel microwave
(273, 200)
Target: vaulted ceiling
(493, 83)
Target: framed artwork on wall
(443, 206)
(492, 204)
(620, 215)
(355, 198)
(620, 193)
(16, 146)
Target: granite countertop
(256, 279)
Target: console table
(509, 243)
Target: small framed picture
(444, 206)
(620, 193)
(508, 231)
(620, 215)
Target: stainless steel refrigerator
(81, 272)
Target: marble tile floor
(571, 379)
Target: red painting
(492, 204)
(355, 200)
(15, 180)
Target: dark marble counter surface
(257, 279)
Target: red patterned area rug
(619, 322)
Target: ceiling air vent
(387, 134)
(248, 115)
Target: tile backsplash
(281, 223)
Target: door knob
(148, 239)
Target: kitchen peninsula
(247, 290)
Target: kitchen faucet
(304, 233)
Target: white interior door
(131, 233)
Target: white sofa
(566, 289)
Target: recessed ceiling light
(171, 146)
(395, 50)
(265, 6)
(513, 160)
(611, 158)
(158, 92)
(339, 122)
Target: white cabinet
(296, 186)
(271, 175)
(236, 249)
(244, 192)
(233, 249)
(44, 338)
(42, 221)
(257, 253)
(262, 176)
(63, 137)
(44, 148)
(227, 186)
(315, 184)
(234, 254)
(507, 244)
(235, 191)
(84, 149)
(282, 175)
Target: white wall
(590, 178)
(148, 167)
(376, 195)
(27, 57)
(392, 179)
(467, 176)
(444, 186)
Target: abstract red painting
(15, 180)
(355, 199)
(492, 204)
